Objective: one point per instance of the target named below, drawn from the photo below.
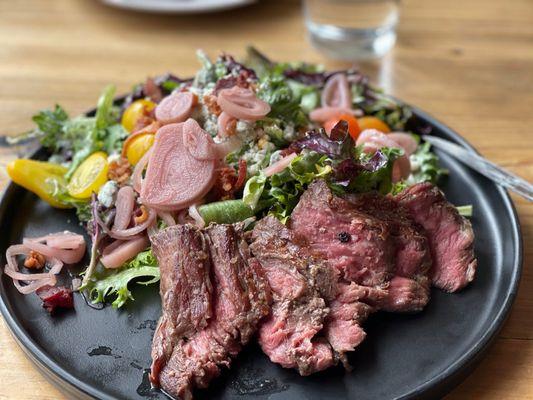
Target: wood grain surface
(469, 63)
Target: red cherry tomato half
(353, 126)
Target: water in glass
(352, 29)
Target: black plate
(105, 353)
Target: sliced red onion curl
(195, 215)
(124, 205)
(183, 217)
(124, 234)
(66, 246)
(120, 251)
(279, 165)
(167, 217)
(137, 176)
(37, 280)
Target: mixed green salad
(330, 125)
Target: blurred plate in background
(179, 6)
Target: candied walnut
(119, 170)
(262, 142)
(141, 215)
(34, 260)
(211, 104)
(228, 182)
(231, 127)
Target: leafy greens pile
(72, 140)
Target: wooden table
(469, 63)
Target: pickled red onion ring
(37, 280)
(280, 165)
(120, 251)
(242, 103)
(195, 215)
(49, 246)
(336, 92)
(124, 205)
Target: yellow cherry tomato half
(136, 110)
(138, 146)
(89, 176)
(373, 123)
(44, 179)
(353, 126)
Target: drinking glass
(352, 29)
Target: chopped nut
(141, 215)
(119, 170)
(262, 142)
(231, 127)
(34, 260)
(211, 104)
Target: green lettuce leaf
(425, 165)
(50, 127)
(253, 190)
(283, 190)
(379, 179)
(289, 100)
(466, 210)
(107, 284)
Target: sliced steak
(450, 236)
(239, 299)
(242, 293)
(300, 284)
(377, 238)
(316, 316)
(347, 312)
(357, 244)
(185, 289)
(408, 290)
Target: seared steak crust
(238, 298)
(185, 289)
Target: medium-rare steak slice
(185, 289)
(450, 236)
(377, 237)
(239, 299)
(300, 284)
(316, 316)
(357, 244)
(408, 290)
(343, 323)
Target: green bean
(225, 212)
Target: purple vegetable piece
(235, 67)
(338, 146)
(307, 78)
